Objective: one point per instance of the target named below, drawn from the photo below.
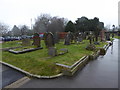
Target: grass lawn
(40, 63)
(11, 44)
(118, 37)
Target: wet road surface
(8, 75)
(99, 73)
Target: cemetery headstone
(56, 37)
(52, 51)
(36, 40)
(71, 35)
(80, 37)
(84, 35)
(63, 50)
(102, 35)
(49, 40)
(90, 46)
(67, 39)
(107, 36)
(76, 37)
(25, 41)
(90, 39)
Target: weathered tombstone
(67, 39)
(91, 46)
(56, 37)
(84, 35)
(64, 50)
(102, 35)
(80, 37)
(36, 40)
(71, 36)
(108, 36)
(90, 39)
(49, 40)
(25, 41)
(76, 34)
(52, 51)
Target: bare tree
(3, 29)
(107, 27)
(46, 23)
(15, 31)
(57, 25)
(24, 29)
(41, 23)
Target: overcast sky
(19, 12)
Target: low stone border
(29, 74)
(94, 55)
(24, 51)
(104, 49)
(70, 70)
(6, 49)
(106, 46)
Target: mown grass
(12, 44)
(39, 62)
(118, 37)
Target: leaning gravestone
(36, 40)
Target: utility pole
(31, 23)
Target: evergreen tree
(70, 27)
